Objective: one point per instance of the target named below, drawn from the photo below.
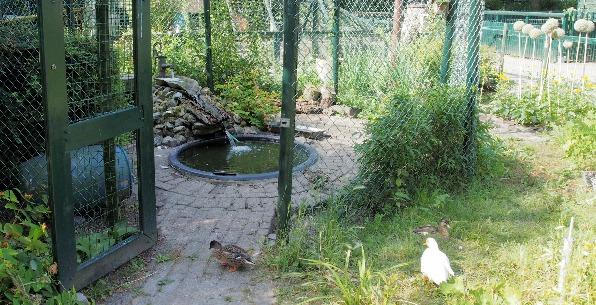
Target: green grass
(506, 238)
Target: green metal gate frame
(62, 138)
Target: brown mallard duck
(442, 229)
(230, 256)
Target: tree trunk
(395, 32)
(535, 5)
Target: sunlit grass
(506, 240)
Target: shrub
(27, 269)
(249, 98)
(419, 140)
(578, 139)
(563, 105)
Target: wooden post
(396, 30)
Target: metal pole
(208, 46)
(53, 74)
(109, 147)
(473, 77)
(143, 100)
(503, 46)
(314, 7)
(335, 47)
(288, 111)
(449, 32)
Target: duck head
(445, 223)
(431, 243)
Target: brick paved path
(192, 211)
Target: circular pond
(253, 157)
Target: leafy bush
(578, 139)
(489, 74)
(248, 98)
(564, 104)
(419, 140)
(366, 80)
(27, 269)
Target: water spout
(233, 141)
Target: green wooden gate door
(96, 79)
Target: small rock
(156, 116)
(311, 94)
(341, 110)
(179, 129)
(169, 126)
(170, 141)
(180, 138)
(272, 236)
(189, 118)
(82, 298)
(177, 95)
(168, 114)
(179, 122)
(157, 140)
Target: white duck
(434, 264)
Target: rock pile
(314, 101)
(183, 111)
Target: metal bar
(277, 38)
(208, 45)
(109, 148)
(288, 111)
(335, 47)
(525, 14)
(472, 80)
(449, 32)
(102, 128)
(314, 8)
(53, 73)
(111, 259)
(144, 100)
(503, 46)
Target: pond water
(245, 157)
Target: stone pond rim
(174, 159)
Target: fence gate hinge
(284, 123)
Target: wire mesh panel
(373, 95)
(72, 127)
(22, 115)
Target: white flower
(558, 33)
(518, 25)
(567, 44)
(527, 28)
(535, 33)
(581, 25)
(590, 26)
(550, 25)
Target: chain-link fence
(386, 96)
(351, 58)
(384, 91)
(71, 127)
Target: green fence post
(449, 32)
(288, 111)
(277, 38)
(208, 46)
(53, 73)
(335, 47)
(109, 147)
(472, 79)
(144, 143)
(314, 7)
(503, 46)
